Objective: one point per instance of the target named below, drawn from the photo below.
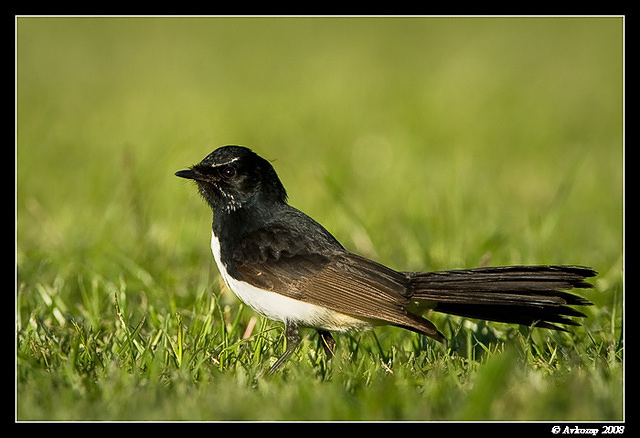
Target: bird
(288, 268)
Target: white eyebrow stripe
(226, 162)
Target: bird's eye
(229, 172)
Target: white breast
(282, 308)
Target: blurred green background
(424, 142)
(401, 118)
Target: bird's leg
(293, 339)
(328, 343)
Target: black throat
(231, 226)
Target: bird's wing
(279, 259)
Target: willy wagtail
(289, 268)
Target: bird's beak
(187, 173)
(193, 173)
(198, 173)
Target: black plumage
(290, 268)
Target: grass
(431, 143)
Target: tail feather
(528, 295)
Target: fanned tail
(527, 295)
